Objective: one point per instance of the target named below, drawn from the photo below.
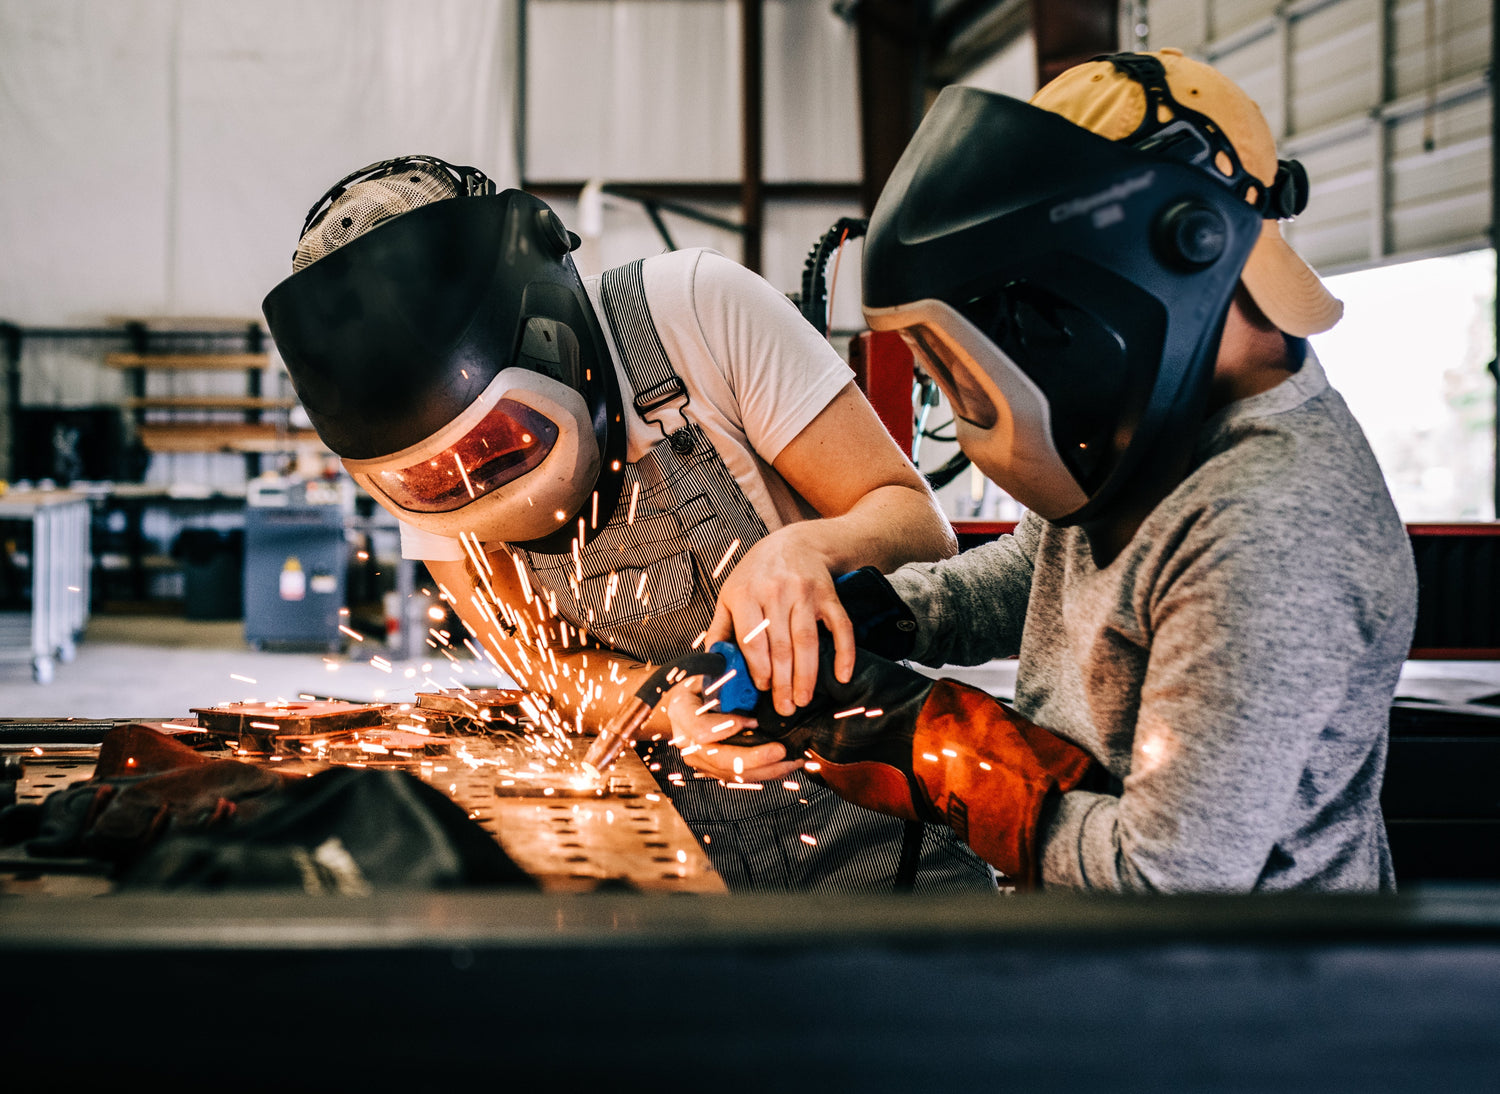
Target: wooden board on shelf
(238, 362)
(224, 437)
(208, 402)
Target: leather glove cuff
(883, 623)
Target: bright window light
(1410, 358)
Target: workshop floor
(138, 666)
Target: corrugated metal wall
(1386, 103)
(649, 90)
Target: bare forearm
(887, 528)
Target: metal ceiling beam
(1069, 32)
(891, 37)
(752, 127)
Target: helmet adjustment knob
(558, 238)
(1191, 235)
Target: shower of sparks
(809, 840)
(594, 519)
(724, 562)
(352, 633)
(720, 682)
(850, 713)
(635, 493)
(755, 631)
(469, 486)
(241, 679)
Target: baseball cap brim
(1286, 288)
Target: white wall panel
(159, 155)
(1182, 24)
(1011, 72)
(1227, 17)
(627, 233)
(632, 89)
(1462, 42)
(1440, 197)
(1257, 67)
(85, 120)
(1339, 221)
(1335, 64)
(811, 125)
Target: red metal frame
(990, 529)
(883, 366)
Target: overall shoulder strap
(658, 388)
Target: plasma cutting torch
(723, 664)
(891, 739)
(882, 623)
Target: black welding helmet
(440, 338)
(1066, 291)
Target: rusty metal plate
(257, 726)
(626, 832)
(569, 832)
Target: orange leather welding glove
(900, 743)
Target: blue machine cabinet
(296, 565)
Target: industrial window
(1410, 357)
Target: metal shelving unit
(59, 564)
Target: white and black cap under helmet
(1068, 292)
(443, 344)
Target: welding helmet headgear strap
(466, 181)
(1169, 128)
(1096, 273)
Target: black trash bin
(213, 566)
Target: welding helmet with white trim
(443, 344)
(1066, 291)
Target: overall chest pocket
(631, 573)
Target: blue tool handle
(737, 695)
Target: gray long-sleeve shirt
(1233, 667)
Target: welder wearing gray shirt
(1232, 667)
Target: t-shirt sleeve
(782, 371)
(428, 546)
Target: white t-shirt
(755, 369)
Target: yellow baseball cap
(1104, 100)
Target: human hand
(699, 729)
(771, 607)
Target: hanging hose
(813, 304)
(814, 300)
